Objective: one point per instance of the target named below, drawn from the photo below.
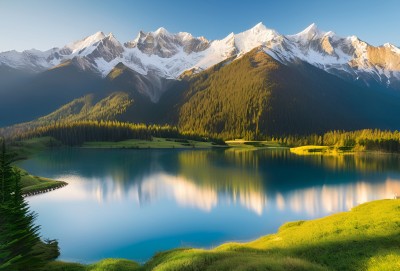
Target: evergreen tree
(18, 234)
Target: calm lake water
(133, 203)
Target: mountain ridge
(171, 54)
(251, 84)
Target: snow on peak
(77, 46)
(259, 27)
(311, 32)
(113, 39)
(392, 47)
(170, 54)
(161, 31)
(311, 28)
(111, 35)
(259, 35)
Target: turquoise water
(134, 203)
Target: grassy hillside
(365, 238)
(88, 108)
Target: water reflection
(315, 201)
(201, 197)
(334, 198)
(205, 179)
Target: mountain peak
(309, 33)
(312, 29)
(161, 31)
(85, 42)
(259, 26)
(392, 47)
(111, 35)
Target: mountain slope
(250, 84)
(45, 92)
(257, 95)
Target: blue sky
(42, 24)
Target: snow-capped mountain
(168, 55)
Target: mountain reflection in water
(132, 203)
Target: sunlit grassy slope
(365, 238)
(311, 149)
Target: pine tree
(18, 234)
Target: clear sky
(43, 24)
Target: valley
(256, 149)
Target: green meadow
(155, 143)
(365, 238)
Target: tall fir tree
(18, 233)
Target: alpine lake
(127, 203)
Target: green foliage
(229, 101)
(18, 234)
(32, 184)
(156, 143)
(113, 265)
(355, 240)
(367, 139)
(78, 132)
(365, 238)
(63, 266)
(75, 133)
(87, 108)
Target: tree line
(21, 248)
(77, 132)
(367, 139)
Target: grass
(156, 143)
(325, 150)
(33, 184)
(240, 144)
(365, 238)
(25, 148)
(103, 265)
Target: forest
(77, 132)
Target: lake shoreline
(304, 245)
(332, 151)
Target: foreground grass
(104, 265)
(156, 143)
(365, 238)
